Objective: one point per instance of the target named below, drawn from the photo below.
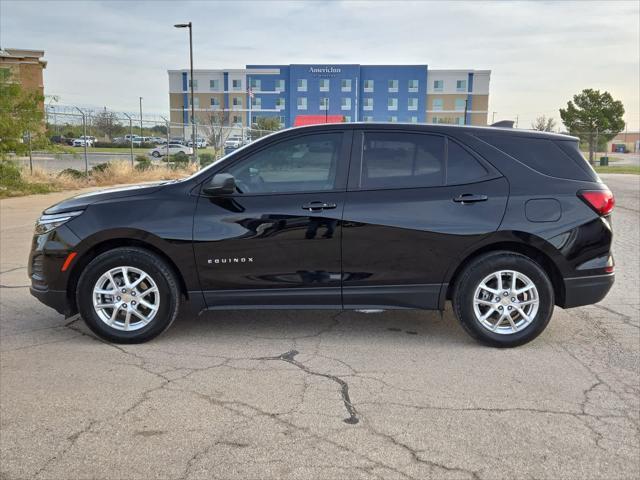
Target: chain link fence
(80, 139)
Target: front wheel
(156, 154)
(128, 295)
(503, 299)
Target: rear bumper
(56, 299)
(586, 290)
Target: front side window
(402, 160)
(302, 84)
(393, 85)
(324, 84)
(305, 164)
(368, 86)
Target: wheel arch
(109, 244)
(532, 252)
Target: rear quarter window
(545, 156)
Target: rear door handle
(318, 206)
(470, 198)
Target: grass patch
(16, 181)
(633, 169)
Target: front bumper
(580, 291)
(56, 299)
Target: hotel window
(393, 85)
(256, 84)
(195, 83)
(279, 85)
(367, 103)
(196, 102)
(324, 84)
(368, 86)
(461, 85)
(347, 118)
(302, 84)
(392, 104)
(437, 104)
(438, 85)
(236, 84)
(345, 85)
(460, 120)
(368, 118)
(324, 103)
(412, 104)
(393, 119)
(459, 104)
(280, 105)
(214, 84)
(281, 120)
(414, 119)
(413, 86)
(215, 103)
(237, 102)
(256, 102)
(302, 103)
(237, 119)
(345, 103)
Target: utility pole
(141, 136)
(84, 142)
(466, 106)
(166, 122)
(130, 137)
(516, 121)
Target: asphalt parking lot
(329, 395)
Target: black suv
(505, 223)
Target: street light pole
(130, 137)
(193, 110)
(141, 137)
(84, 142)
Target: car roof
(434, 128)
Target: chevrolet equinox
(504, 223)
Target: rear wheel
(156, 154)
(128, 295)
(503, 299)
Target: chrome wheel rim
(126, 298)
(506, 302)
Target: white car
(200, 143)
(171, 149)
(234, 141)
(80, 142)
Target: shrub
(206, 159)
(101, 167)
(72, 172)
(143, 162)
(9, 174)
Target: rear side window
(402, 160)
(572, 149)
(541, 154)
(462, 167)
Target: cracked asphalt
(327, 395)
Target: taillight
(601, 201)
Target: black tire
(479, 269)
(156, 154)
(150, 263)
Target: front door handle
(470, 198)
(318, 206)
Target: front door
(277, 241)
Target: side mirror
(221, 184)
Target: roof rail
(503, 124)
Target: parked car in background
(60, 139)
(171, 149)
(80, 142)
(200, 143)
(504, 223)
(234, 141)
(179, 140)
(158, 140)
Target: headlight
(46, 223)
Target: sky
(109, 53)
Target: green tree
(267, 123)
(593, 116)
(107, 123)
(20, 112)
(544, 124)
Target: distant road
(56, 162)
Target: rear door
(415, 202)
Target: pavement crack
(12, 270)
(289, 357)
